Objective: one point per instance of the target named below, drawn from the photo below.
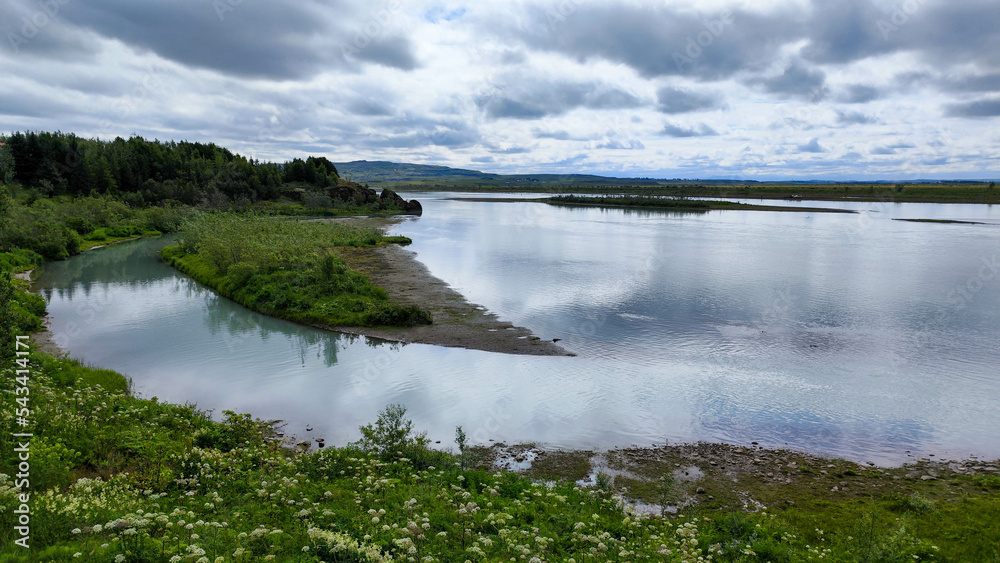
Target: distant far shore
(957, 192)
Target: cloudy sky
(768, 89)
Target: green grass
(679, 204)
(289, 269)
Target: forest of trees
(143, 172)
(60, 193)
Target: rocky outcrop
(390, 199)
(413, 207)
(352, 193)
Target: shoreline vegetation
(653, 203)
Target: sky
(763, 89)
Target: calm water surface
(852, 335)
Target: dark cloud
(891, 149)
(253, 39)
(844, 31)
(973, 83)
(395, 52)
(512, 57)
(34, 106)
(812, 146)
(560, 135)
(673, 41)
(511, 150)
(796, 81)
(858, 94)
(483, 159)
(674, 130)
(675, 100)
(537, 99)
(35, 30)
(947, 33)
(370, 106)
(659, 40)
(989, 107)
(854, 118)
(449, 138)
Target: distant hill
(414, 176)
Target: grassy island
(680, 204)
(289, 269)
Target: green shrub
(391, 436)
(79, 224)
(387, 314)
(20, 259)
(913, 503)
(98, 235)
(237, 430)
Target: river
(851, 335)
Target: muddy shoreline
(662, 479)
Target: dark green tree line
(150, 172)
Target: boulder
(413, 207)
(389, 199)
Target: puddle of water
(515, 460)
(688, 474)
